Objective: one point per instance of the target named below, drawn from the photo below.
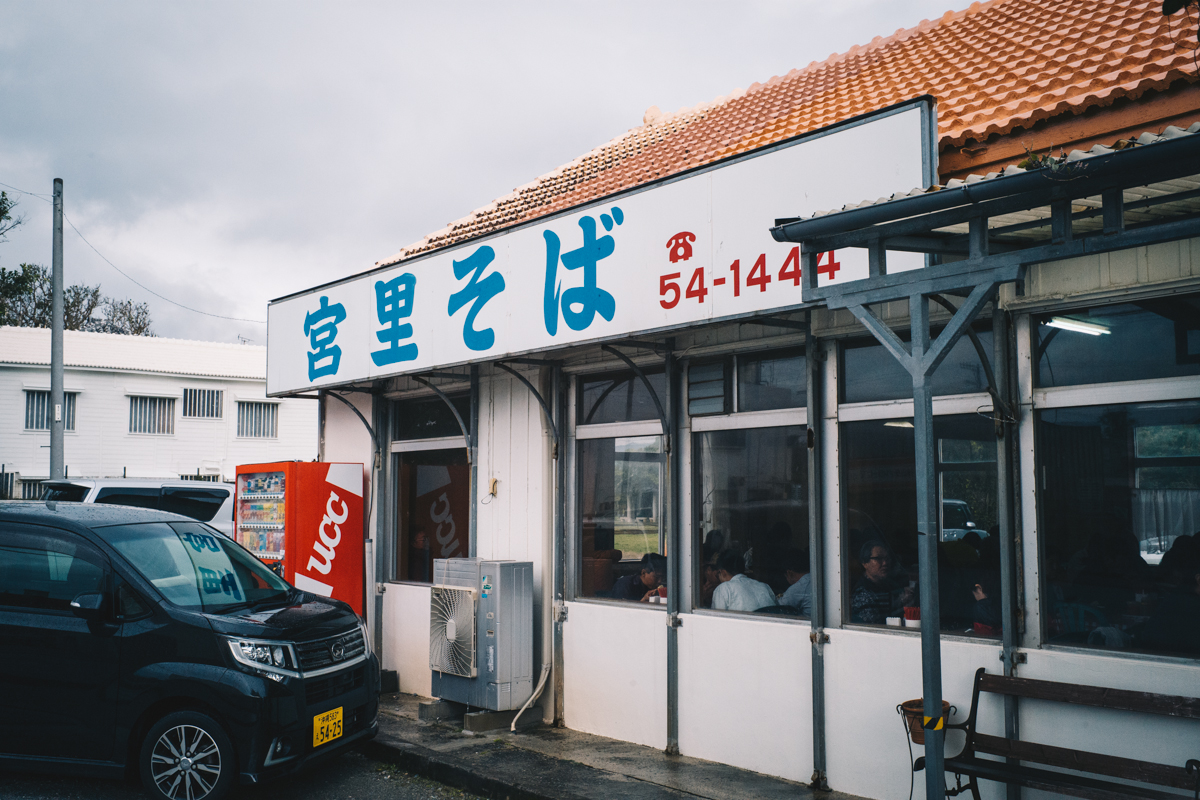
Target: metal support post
(816, 557)
(472, 455)
(1005, 474)
(673, 555)
(927, 535)
(559, 400)
(57, 397)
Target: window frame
(886, 410)
(397, 447)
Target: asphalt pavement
(351, 776)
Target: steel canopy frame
(917, 223)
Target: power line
(125, 274)
(151, 291)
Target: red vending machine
(305, 520)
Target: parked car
(957, 521)
(200, 500)
(137, 642)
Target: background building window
(879, 518)
(39, 412)
(257, 420)
(202, 403)
(751, 490)
(152, 415)
(1120, 509)
(620, 508)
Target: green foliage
(7, 220)
(26, 300)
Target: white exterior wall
(102, 446)
(615, 676)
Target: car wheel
(187, 756)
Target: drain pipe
(536, 694)
(813, 352)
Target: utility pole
(57, 400)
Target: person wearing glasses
(881, 591)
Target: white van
(200, 500)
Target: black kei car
(136, 642)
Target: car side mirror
(970, 524)
(89, 606)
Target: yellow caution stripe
(933, 723)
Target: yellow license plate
(327, 727)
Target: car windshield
(196, 567)
(955, 515)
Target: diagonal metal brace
(541, 401)
(662, 415)
(466, 432)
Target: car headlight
(276, 660)
(366, 632)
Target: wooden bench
(969, 764)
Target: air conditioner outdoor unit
(481, 632)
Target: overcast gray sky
(227, 153)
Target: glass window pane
(752, 518)
(434, 514)
(870, 373)
(708, 388)
(1157, 338)
(879, 514)
(429, 417)
(46, 572)
(772, 380)
(619, 398)
(1120, 507)
(620, 505)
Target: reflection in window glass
(195, 567)
(429, 417)
(620, 397)
(752, 520)
(620, 506)
(1120, 506)
(871, 373)
(1158, 338)
(46, 572)
(772, 380)
(434, 513)
(879, 513)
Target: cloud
(227, 153)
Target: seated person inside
(737, 591)
(882, 590)
(796, 573)
(644, 583)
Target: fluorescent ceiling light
(897, 424)
(1068, 324)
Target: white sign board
(679, 253)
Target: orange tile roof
(994, 68)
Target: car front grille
(323, 653)
(318, 690)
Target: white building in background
(143, 407)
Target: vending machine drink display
(305, 520)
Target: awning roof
(1145, 192)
